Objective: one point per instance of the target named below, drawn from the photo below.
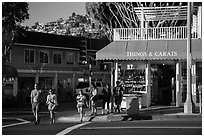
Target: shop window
(57, 57)
(69, 58)
(133, 79)
(29, 56)
(44, 56)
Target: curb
(125, 117)
(180, 116)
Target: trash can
(132, 105)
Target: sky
(44, 12)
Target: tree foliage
(13, 14)
(121, 14)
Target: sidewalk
(151, 113)
(67, 112)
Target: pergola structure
(161, 13)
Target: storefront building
(152, 61)
(155, 68)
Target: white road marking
(27, 112)
(92, 128)
(15, 124)
(69, 129)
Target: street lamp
(188, 109)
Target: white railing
(159, 33)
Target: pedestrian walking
(81, 102)
(35, 102)
(52, 105)
(118, 95)
(94, 99)
(106, 98)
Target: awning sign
(157, 54)
(150, 50)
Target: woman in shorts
(52, 105)
(81, 102)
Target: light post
(188, 109)
(90, 79)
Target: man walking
(94, 99)
(35, 102)
(118, 96)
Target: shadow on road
(136, 117)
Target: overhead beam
(162, 13)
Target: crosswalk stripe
(69, 129)
(15, 124)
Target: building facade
(152, 62)
(53, 61)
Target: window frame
(72, 54)
(58, 53)
(29, 56)
(45, 51)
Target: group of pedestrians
(82, 101)
(116, 97)
(36, 100)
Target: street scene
(101, 68)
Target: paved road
(32, 129)
(141, 128)
(150, 127)
(20, 122)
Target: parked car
(84, 86)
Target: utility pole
(188, 109)
(90, 74)
(90, 78)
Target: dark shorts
(95, 99)
(36, 106)
(118, 100)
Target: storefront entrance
(163, 84)
(153, 68)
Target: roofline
(43, 46)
